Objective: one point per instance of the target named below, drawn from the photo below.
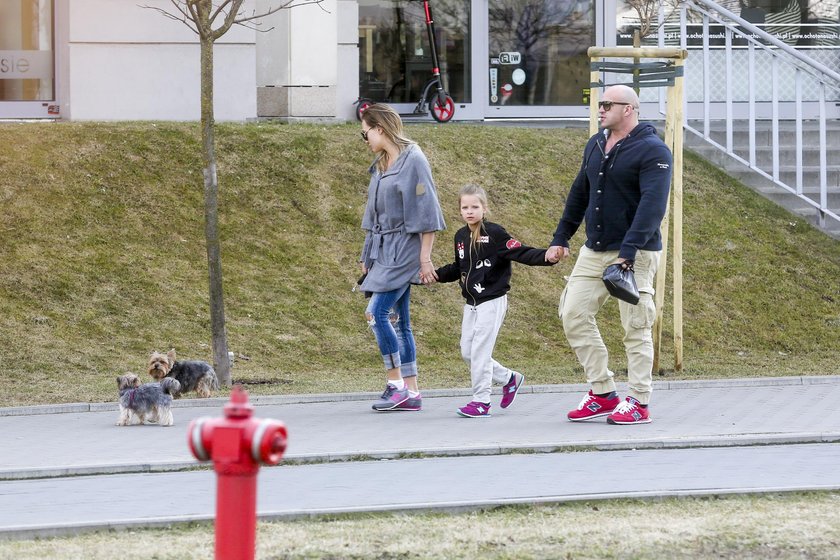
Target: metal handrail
(821, 68)
(781, 54)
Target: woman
(401, 218)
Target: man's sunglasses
(607, 105)
(365, 134)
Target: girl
(483, 253)
(401, 218)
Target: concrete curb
(30, 532)
(261, 400)
(746, 440)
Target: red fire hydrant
(237, 444)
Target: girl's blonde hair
(481, 195)
(389, 122)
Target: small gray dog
(150, 402)
(193, 375)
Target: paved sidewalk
(57, 506)
(686, 414)
(707, 437)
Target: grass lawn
(103, 261)
(788, 526)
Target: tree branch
(185, 19)
(284, 6)
(255, 26)
(230, 17)
(200, 10)
(199, 15)
(221, 8)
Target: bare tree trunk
(211, 217)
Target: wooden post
(677, 173)
(637, 44)
(594, 96)
(662, 271)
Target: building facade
(117, 60)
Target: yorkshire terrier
(150, 402)
(193, 375)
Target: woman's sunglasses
(607, 105)
(365, 134)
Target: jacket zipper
(469, 270)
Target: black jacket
(484, 271)
(622, 195)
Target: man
(622, 193)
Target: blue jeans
(389, 319)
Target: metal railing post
(775, 102)
(728, 44)
(823, 160)
(707, 72)
(751, 102)
(798, 79)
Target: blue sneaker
(391, 398)
(510, 388)
(411, 404)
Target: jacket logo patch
(460, 250)
(484, 239)
(420, 189)
(513, 243)
(663, 165)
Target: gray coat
(402, 203)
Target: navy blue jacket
(622, 195)
(484, 271)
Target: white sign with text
(26, 65)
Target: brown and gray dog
(150, 402)
(193, 375)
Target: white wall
(348, 59)
(126, 62)
(299, 61)
(300, 50)
(158, 82)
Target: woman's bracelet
(428, 261)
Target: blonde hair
(481, 195)
(384, 117)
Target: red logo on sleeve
(513, 243)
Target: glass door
(27, 67)
(536, 63)
(395, 55)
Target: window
(26, 51)
(395, 60)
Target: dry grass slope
(103, 260)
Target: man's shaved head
(622, 93)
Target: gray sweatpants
(479, 329)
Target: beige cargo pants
(580, 302)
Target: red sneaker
(629, 412)
(593, 406)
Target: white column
(298, 61)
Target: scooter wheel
(442, 113)
(361, 107)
